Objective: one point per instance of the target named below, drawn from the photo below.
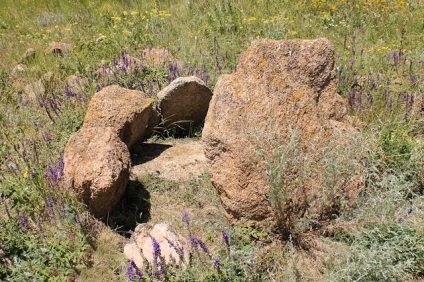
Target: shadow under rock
(145, 152)
(132, 209)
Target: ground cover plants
(47, 235)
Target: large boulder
(184, 102)
(280, 108)
(127, 111)
(97, 166)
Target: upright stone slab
(185, 101)
(280, 88)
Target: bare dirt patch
(171, 160)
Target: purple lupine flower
(390, 103)
(77, 220)
(226, 241)
(131, 270)
(203, 246)
(50, 202)
(194, 241)
(47, 137)
(339, 55)
(186, 218)
(6, 210)
(395, 59)
(413, 81)
(22, 220)
(139, 273)
(179, 251)
(409, 212)
(217, 264)
(205, 78)
(40, 228)
(352, 60)
(156, 252)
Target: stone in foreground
(174, 248)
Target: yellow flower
(125, 13)
(116, 18)
(126, 31)
(134, 13)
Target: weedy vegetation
(46, 233)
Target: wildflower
(40, 228)
(352, 61)
(77, 220)
(226, 241)
(186, 218)
(205, 78)
(194, 241)
(6, 210)
(134, 13)
(156, 251)
(179, 251)
(22, 220)
(131, 270)
(203, 246)
(217, 265)
(390, 103)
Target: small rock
(17, 71)
(158, 58)
(173, 247)
(101, 38)
(59, 48)
(28, 56)
(75, 86)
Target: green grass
(380, 71)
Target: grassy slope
(380, 69)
